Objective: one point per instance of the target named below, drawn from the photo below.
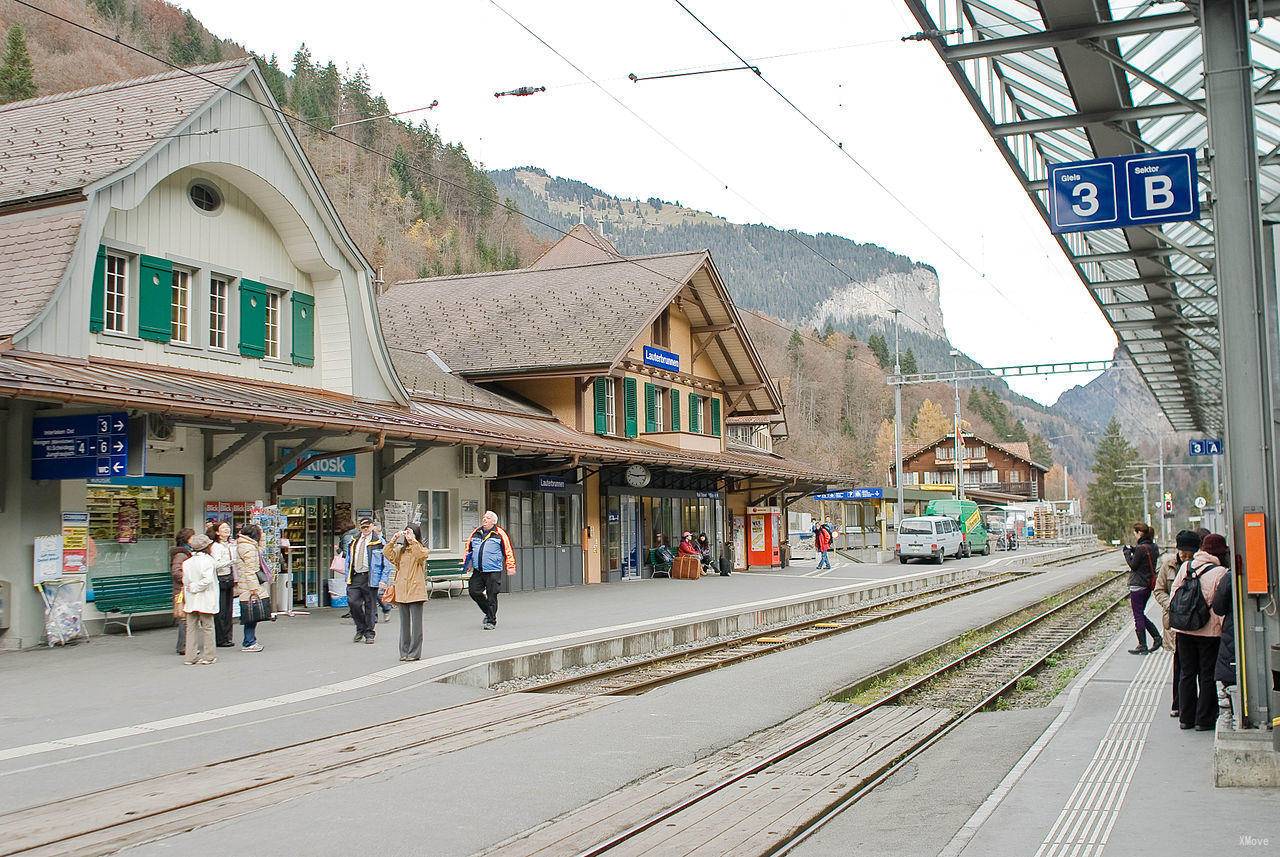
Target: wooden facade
(991, 467)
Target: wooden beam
(741, 388)
(213, 462)
(711, 328)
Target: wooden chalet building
(993, 472)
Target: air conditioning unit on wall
(162, 434)
(476, 463)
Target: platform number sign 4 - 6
(1132, 190)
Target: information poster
(48, 559)
(398, 514)
(739, 544)
(75, 542)
(470, 518)
(757, 533)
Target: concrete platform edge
(1244, 757)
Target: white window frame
(272, 348)
(181, 283)
(224, 282)
(610, 407)
(430, 500)
(121, 278)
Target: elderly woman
(251, 588)
(200, 594)
(408, 587)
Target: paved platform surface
(1102, 770)
(458, 803)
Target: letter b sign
(1161, 187)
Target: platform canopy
(1071, 80)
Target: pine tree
(17, 73)
(909, 364)
(275, 78)
(880, 349)
(1113, 507)
(828, 332)
(1041, 452)
(188, 47)
(302, 93)
(794, 344)
(403, 173)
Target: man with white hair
(489, 556)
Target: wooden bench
(445, 571)
(130, 594)
(659, 565)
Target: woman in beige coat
(409, 584)
(247, 559)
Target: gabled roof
(59, 144)
(579, 246)
(34, 249)
(534, 318)
(1020, 450)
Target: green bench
(130, 594)
(659, 565)
(446, 572)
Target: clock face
(637, 476)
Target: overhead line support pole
(897, 427)
(1247, 323)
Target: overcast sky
(1011, 299)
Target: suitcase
(686, 568)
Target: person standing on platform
(408, 587)
(489, 556)
(200, 594)
(1187, 545)
(1197, 646)
(360, 583)
(823, 536)
(219, 532)
(1143, 558)
(1223, 605)
(178, 554)
(251, 587)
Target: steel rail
(832, 728)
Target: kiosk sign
(1133, 190)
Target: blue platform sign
(660, 358)
(853, 494)
(1133, 190)
(340, 467)
(1204, 446)
(80, 447)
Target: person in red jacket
(687, 547)
(823, 536)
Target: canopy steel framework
(1069, 80)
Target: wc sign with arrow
(82, 446)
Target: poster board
(47, 560)
(398, 514)
(75, 542)
(469, 519)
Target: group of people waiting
(209, 572)
(699, 547)
(1193, 588)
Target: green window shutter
(600, 391)
(650, 405)
(253, 318)
(715, 417)
(98, 292)
(155, 298)
(695, 418)
(675, 409)
(629, 407)
(303, 329)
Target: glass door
(629, 512)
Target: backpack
(1188, 611)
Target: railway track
(130, 814)
(770, 798)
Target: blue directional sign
(853, 494)
(1204, 446)
(80, 447)
(1132, 190)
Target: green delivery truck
(969, 515)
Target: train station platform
(116, 687)
(1113, 771)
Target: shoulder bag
(255, 610)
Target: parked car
(931, 536)
(977, 539)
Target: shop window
(116, 294)
(436, 518)
(133, 523)
(219, 289)
(180, 307)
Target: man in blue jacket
(364, 568)
(489, 557)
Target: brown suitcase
(686, 568)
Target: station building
(169, 256)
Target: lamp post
(959, 445)
(897, 426)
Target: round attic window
(205, 196)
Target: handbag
(388, 595)
(339, 565)
(255, 610)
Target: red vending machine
(762, 537)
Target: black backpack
(1188, 611)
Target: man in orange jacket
(489, 556)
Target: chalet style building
(994, 472)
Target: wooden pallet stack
(1045, 521)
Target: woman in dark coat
(1223, 602)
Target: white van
(934, 536)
